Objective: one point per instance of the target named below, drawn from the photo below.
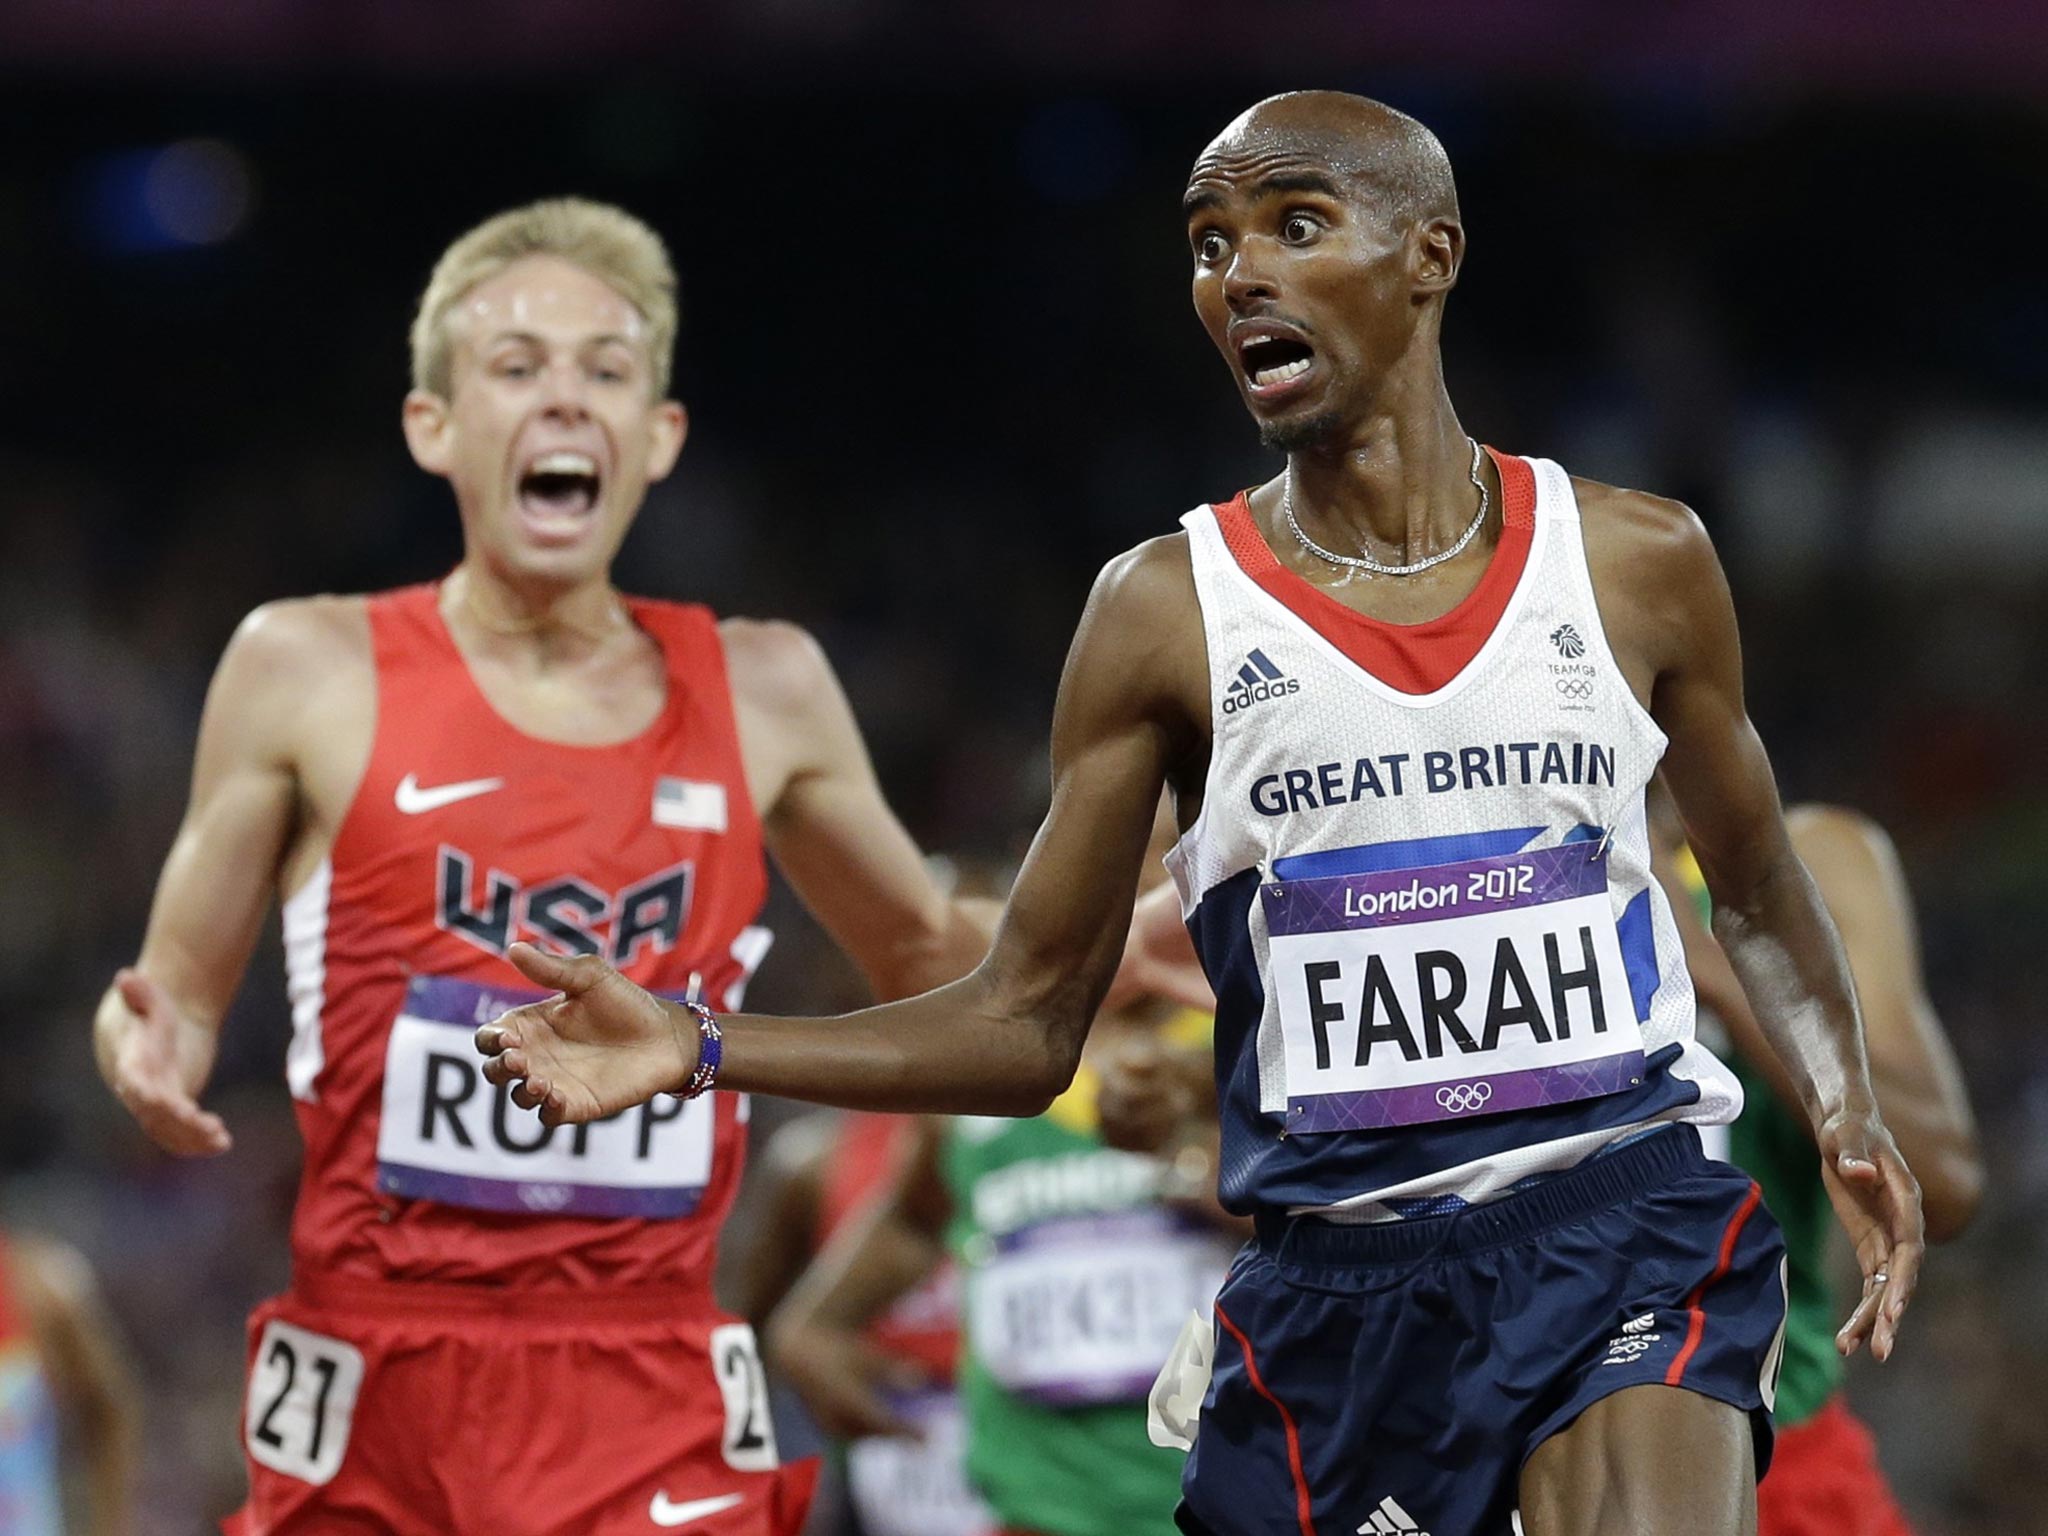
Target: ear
(671, 426)
(1439, 246)
(429, 433)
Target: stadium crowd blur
(940, 365)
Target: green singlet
(1078, 1279)
(1769, 1141)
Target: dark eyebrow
(1300, 181)
(1200, 198)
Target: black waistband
(1563, 1197)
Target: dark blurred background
(1781, 261)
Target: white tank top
(1441, 962)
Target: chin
(1301, 430)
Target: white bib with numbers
(448, 1135)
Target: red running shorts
(375, 1409)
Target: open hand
(600, 1045)
(1878, 1201)
(150, 1056)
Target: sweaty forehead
(544, 295)
(1241, 163)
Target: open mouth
(1271, 363)
(558, 492)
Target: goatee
(1299, 432)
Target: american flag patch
(689, 805)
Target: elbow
(1053, 1061)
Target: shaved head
(1397, 165)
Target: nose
(567, 391)
(1248, 281)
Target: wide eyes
(1212, 248)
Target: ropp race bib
(1413, 995)
(448, 1135)
(1081, 1309)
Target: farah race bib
(448, 1135)
(1415, 995)
(1083, 1309)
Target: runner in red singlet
(425, 777)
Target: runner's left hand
(1878, 1201)
(600, 1045)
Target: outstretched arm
(1768, 915)
(156, 1028)
(1002, 1040)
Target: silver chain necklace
(1365, 562)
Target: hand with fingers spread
(156, 1060)
(1878, 1201)
(600, 1045)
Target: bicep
(1718, 771)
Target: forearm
(963, 1049)
(1785, 952)
(863, 1272)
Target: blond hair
(607, 242)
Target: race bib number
(1083, 1309)
(748, 1444)
(302, 1402)
(448, 1135)
(1416, 995)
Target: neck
(492, 610)
(1396, 484)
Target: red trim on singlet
(1413, 658)
(1695, 1302)
(1302, 1507)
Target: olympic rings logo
(1575, 688)
(1457, 1098)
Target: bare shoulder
(1645, 534)
(300, 642)
(1158, 574)
(776, 667)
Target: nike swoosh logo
(663, 1513)
(413, 800)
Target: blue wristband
(710, 1051)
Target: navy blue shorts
(1395, 1377)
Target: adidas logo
(1390, 1519)
(1257, 680)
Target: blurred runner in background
(67, 1406)
(1825, 1479)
